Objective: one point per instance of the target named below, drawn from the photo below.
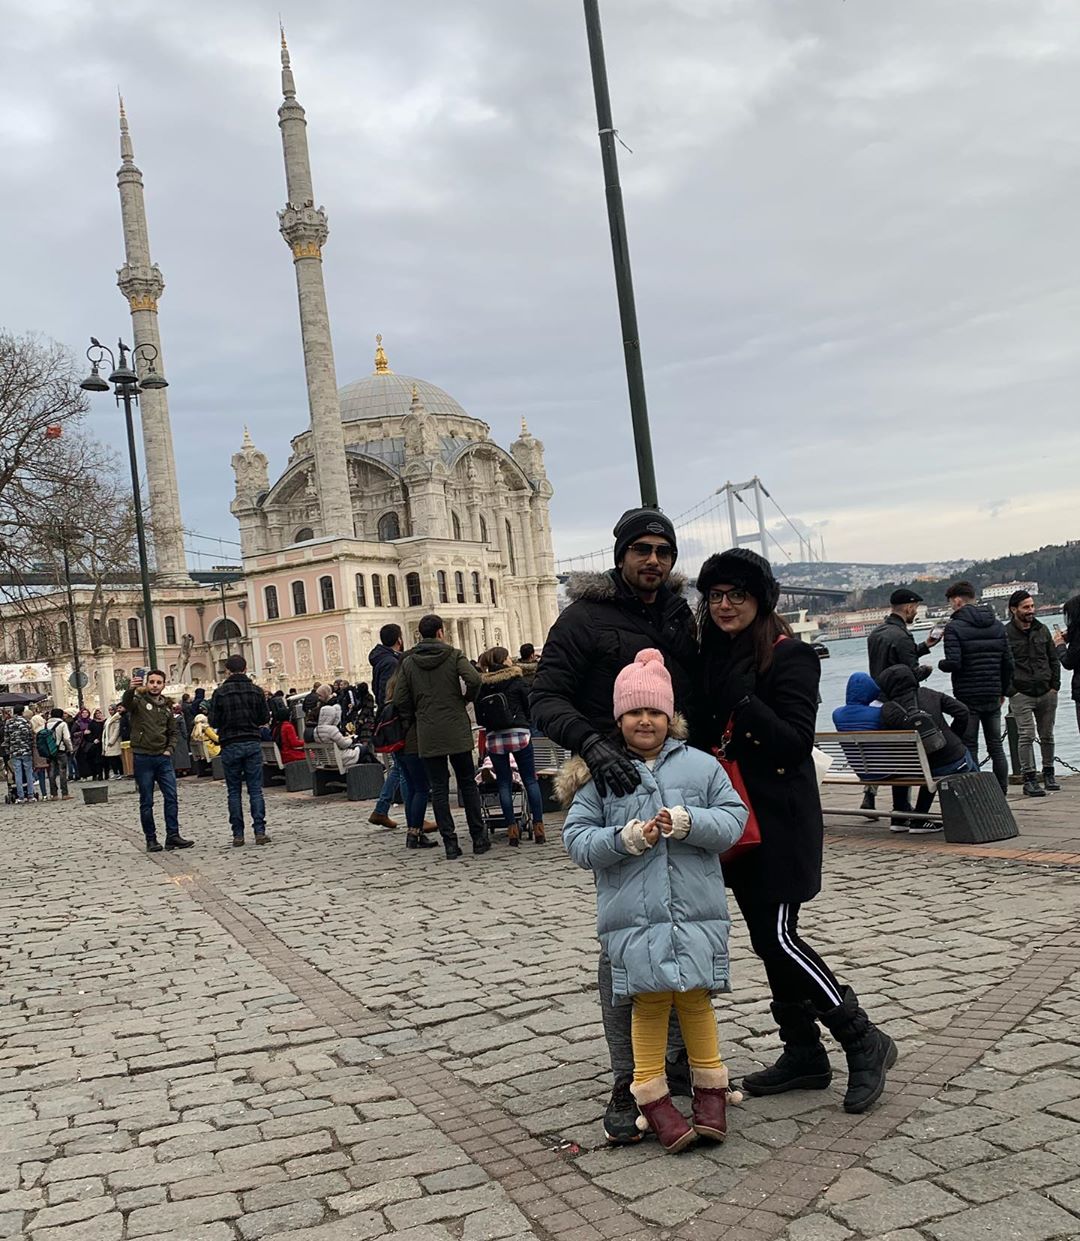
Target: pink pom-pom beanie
(645, 683)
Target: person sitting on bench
(907, 704)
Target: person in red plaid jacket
(500, 677)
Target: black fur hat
(742, 567)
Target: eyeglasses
(663, 552)
(734, 597)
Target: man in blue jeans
(384, 659)
(153, 735)
(238, 711)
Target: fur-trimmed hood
(601, 588)
(498, 676)
(574, 773)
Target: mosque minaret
(304, 227)
(141, 282)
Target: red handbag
(751, 836)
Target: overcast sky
(853, 228)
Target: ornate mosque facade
(395, 502)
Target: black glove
(611, 767)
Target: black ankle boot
(415, 839)
(869, 1051)
(804, 1064)
(450, 843)
(1050, 781)
(1032, 788)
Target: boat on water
(802, 627)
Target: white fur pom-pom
(642, 1123)
(735, 1096)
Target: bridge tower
(734, 494)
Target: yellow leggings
(649, 1031)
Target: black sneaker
(621, 1117)
(177, 842)
(152, 845)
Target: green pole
(620, 249)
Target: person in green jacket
(434, 683)
(153, 735)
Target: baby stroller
(491, 809)
(8, 773)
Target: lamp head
(94, 382)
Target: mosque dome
(385, 394)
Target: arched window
(114, 634)
(512, 560)
(478, 594)
(41, 643)
(391, 590)
(133, 633)
(20, 643)
(412, 590)
(225, 628)
(483, 529)
(389, 527)
(376, 590)
(491, 587)
(361, 591)
(170, 630)
(459, 587)
(303, 535)
(270, 595)
(299, 599)
(65, 636)
(444, 594)
(96, 638)
(326, 593)
(455, 521)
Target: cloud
(850, 228)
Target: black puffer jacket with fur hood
(594, 638)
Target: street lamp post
(71, 617)
(127, 384)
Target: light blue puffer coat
(662, 917)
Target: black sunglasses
(663, 552)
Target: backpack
(46, 742)
(494, 713)
(388, 735)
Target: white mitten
(680, 822)
(633, 837)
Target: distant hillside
(1055, 567)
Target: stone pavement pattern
(332, 1039)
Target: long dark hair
(764, 630)
(1072, 619)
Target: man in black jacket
(887, 646)
(384, 659)
(238, 712)
(1033, 693)
(978, 657)
(905, 701)
(613, 616)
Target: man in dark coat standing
(613, 616)
(978, 657)
(384, 659)
(1033, 693)
(889, 644)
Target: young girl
(660, 901)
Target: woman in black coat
(761, 687)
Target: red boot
(710, 1103)
(659, 1114)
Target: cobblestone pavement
(332, 1038)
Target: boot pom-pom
(642, 1123)
(735, 1096)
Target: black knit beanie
(638, 521)
(742, 567)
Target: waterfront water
(849, 655)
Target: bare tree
(61, 492)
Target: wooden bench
(885, 757)
(362, 781)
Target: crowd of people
(692, 775)
(990, 663)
